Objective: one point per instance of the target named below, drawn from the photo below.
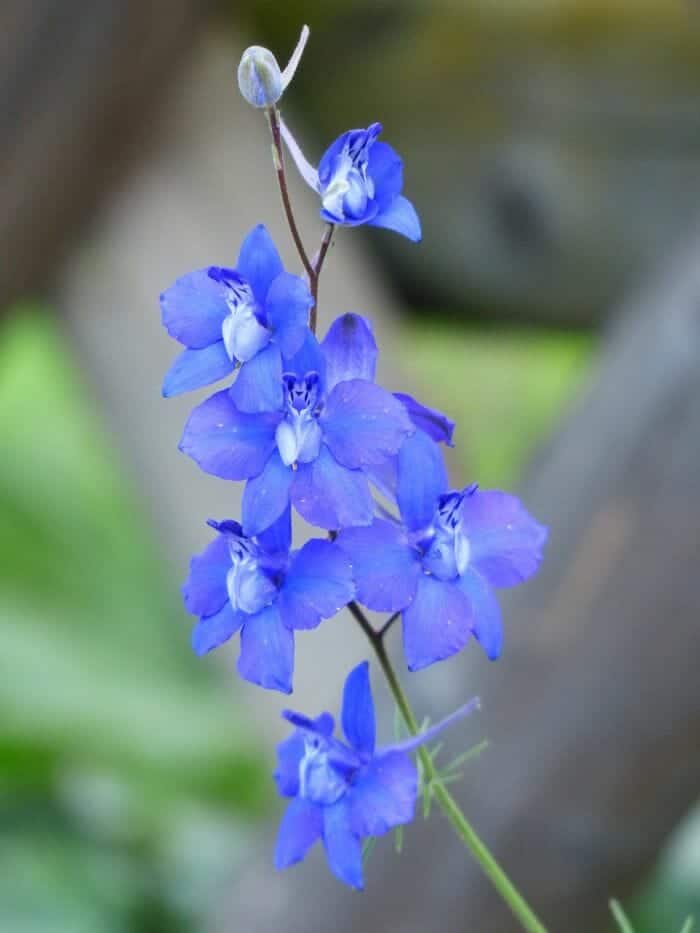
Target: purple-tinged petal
(306, 169)
(258, 385)
(194, 308)
(363, 424)
(317, 586)
(384, 795)
(227, 442)
(302, 825)
(295, 58)
(259, 262)
(330, 496)
(193, 369)
(350, 350)
(287, 311)
(266, 497)
(309, 358)
(204, 592)
(289, 755)
(437, 624)
(384, 477)
(213, 631)
(435, 424)
(277, 539)
(486, 613)
(400, 215)
(385, 567)
(343, 847)
(422, 478)
(385, 167)
(267, 651)
(359, 723)
(505, 541)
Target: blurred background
(552, 150)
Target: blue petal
(343, 847)
(317, 586)
(400, 216)
(289, 755)
(359, 724)
(436, 425)
(384, 795)
(330, 496)
(384, 566)
(259, 262)
(226, 442)
(350, 350)
(309, 358)
(486, 621)
(287, 311)
(193, 369)
(267, 651)
(215, 630)
(204, 592)
(505, 541)
(363, 424)
(385, 168)
(194, 308)
(266, 496)
(302, 825)
(258, 385)
(277, 539)
(422, 478)
(437, 624)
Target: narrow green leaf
(621, 917)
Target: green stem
(448, 804)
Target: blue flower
(253, 315)
(266, 592)
(440, 566)
(343, 792)
(359, 181)
(333, 424)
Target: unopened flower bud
(259, 77)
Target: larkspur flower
(344, 792)
(313, 450)
(252, 315)
(359, 181)
(259, 587)
(440, 566)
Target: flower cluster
(302, 422)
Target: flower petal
(266, 496)
(343, 847)
(384, 566)
(385, 167)
(194, 308)
(359, 723)
(193, 369)
(227, 442)
(436, 425)
(277, 539)
(317, 586)
(350, 350)
(289, 755)
(267, 651)
(259, 262)
(301, 826)
(204, 592)
(258, 385)
(422, 478)
(384, 795)
(486, 618)
(213, 631)
(330, 496)
(437, 624)
(363, 423)
(308, 358)
(400, 215)
(287, 311)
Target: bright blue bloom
(253, 315)
(440, 566)
(314, 449)
(266, 592)
(359, 181)
(343, 792)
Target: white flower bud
(259, 77)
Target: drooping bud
(260, 80)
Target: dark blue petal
(226, 442)
(400, 216)
(267, 651)
(343, 847)
(486, 620)
(259, 262)
(287, 311)
(214, 631)
(194, 308)
(363, 424)
(258, 385)
(385, 168)
(302, 825)
(384, 566)
(266, 496)
(350, 350)
(422, 478)
(318, 584)
(330, 496)
(204, 592)
(384, 795)
(358, 717)
(193, 369)
(277, 539)
(308, 358)
(436, 425)
(289, 755)
(437, 624)
(505, 541)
